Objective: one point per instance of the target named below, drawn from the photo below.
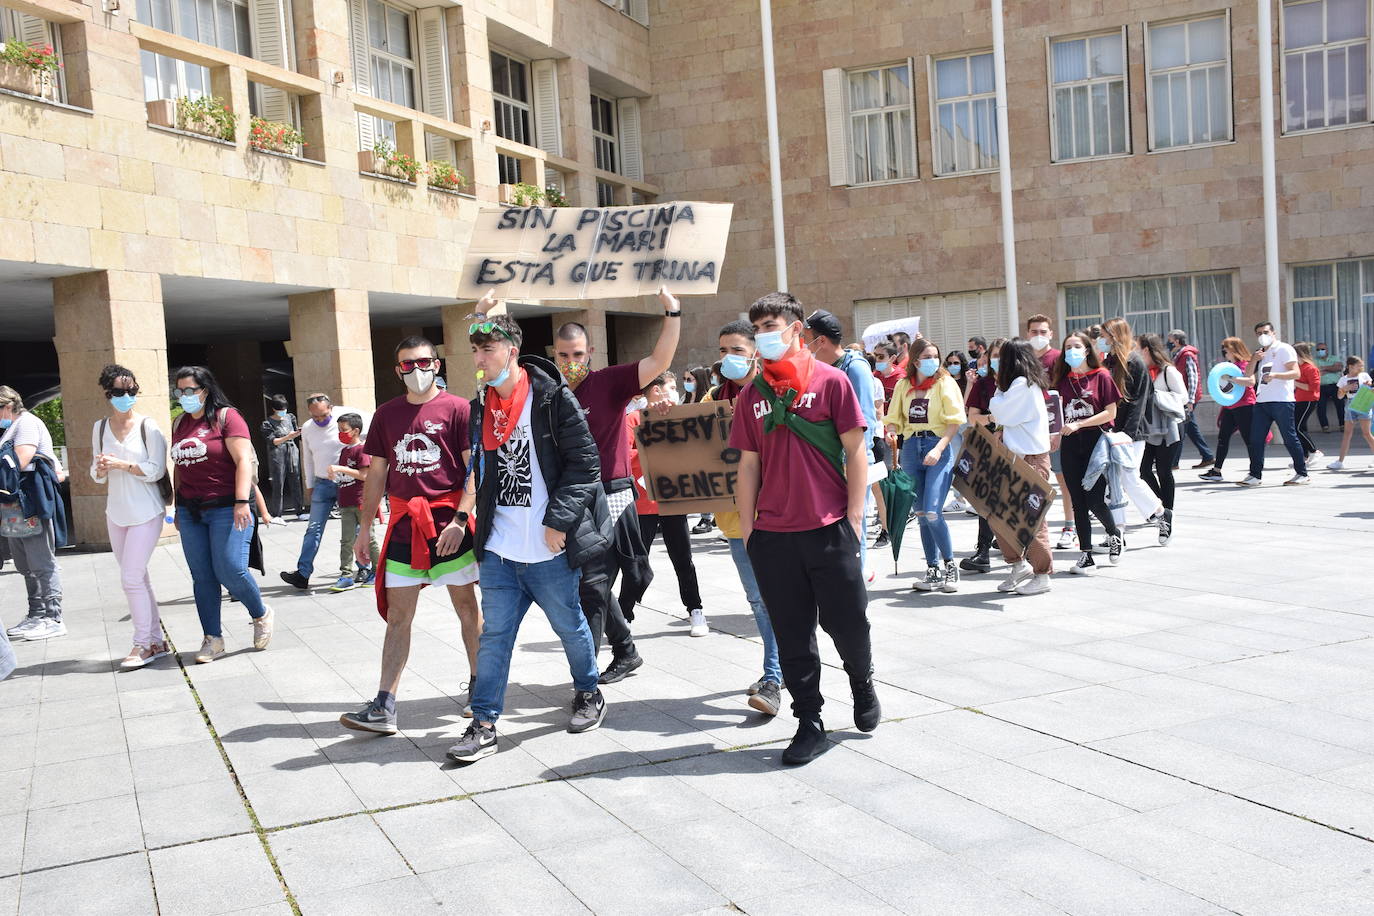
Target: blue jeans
(322, 500)
(217, 555)
(1282, 413)
(508, 589)
(772, 670)
(932, 487)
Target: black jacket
(568, 459)
(1131, 413)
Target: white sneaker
(1337, 465)
(45, 628)
(1318, 455)
(1068, 537)
(17, 631)
(278, 520)
(1297, 480)
(1035, 585)
(698, 618)
(1249, 481)
(1020, 570)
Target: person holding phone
(1276, 369)
(1347, 387)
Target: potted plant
(274, 136)
(441, 174)
(554, 196)
(383, 159)
(205, 115)
(521, 195)
(26, 69)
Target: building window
(1088, 112)
(1325, 64)
(605, 193)
(948, 319)
(36, 33)
(1200, 305)
(882, 140)
(604, 136)
(392, 53)
(965, 114)
(510, 87)
(222, 23)
(1334, 303)
(1190, 82)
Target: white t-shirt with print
(517, 521)
(1362, 378)
(1275, 359)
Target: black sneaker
(933, 580)
(808, 744)
(478, 741)
(882, 541)
(768, 699)
(589, 709)
(1116, 546)
(704, 525)
(1213, 473)
(1166, 527)
(867, 709)
(979, 562)
(1085, 566)
(950, 581)
(619, 668)
(372, 719)
(291, 577)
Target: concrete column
(470, 82)
(331, 346)
(457, 352)
(101, 318)
(575, 110)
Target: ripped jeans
(932, 487)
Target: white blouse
(132, 500)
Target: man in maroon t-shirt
(604, 395)
(801, 516)
(419, 448)
(1041, 341)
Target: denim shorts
(1352, 416)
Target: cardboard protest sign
(687, 460)
(1002, 487)
(596, 252)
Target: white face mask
(1266, 340)
(1040, 342)
(418, 380)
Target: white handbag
(1170, 403)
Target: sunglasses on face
(119, 392)
(187, 391)
(317, 399)
(488, 327)
(424, 363)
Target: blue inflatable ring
(1222, 391)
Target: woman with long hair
(696, 382)
(1237, 417)
(1090, 397)
(1018, 407)
(955, 364)
(1161, 431)
(214, 498)
(129, 457)
(1307, 391)
(927, 409)
(1120, 356)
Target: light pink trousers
(133, 548)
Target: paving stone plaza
(1191, 732)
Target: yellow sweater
(945, 407)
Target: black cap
(825, 324)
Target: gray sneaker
(477, 742)
(768, 700)
(589, 708)
(45, 628)
(17, 631)
(373, 719)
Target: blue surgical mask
(1103, 346)
(1321, 352)
(5, 424)
(189, 402)
(883, 366)
(123, 402)
(929, 366)
(500, 379)
(735, 367)
(954, 367)
(982, 371)
(771, 345)
(1075, 356)
(994, 362)
(689, 386)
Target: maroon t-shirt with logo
(1048, 359)
(800, 490)
(351, 488)
(205, 469)
(604, 395)
(1084, 396)
(423, 446)
(980, 395)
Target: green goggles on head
(489, 327)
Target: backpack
(164, 483)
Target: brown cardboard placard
(686, 457)
(1002, 487)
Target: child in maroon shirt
(349, 474)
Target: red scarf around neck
(927, 384)
(792, 371)
(503, 413)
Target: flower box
(20, 78)
(368, 161)
(164, 113)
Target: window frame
(1125, 77)
(1150, 107)
(412, 64)
(508, 167)
(1324, 47)
(599, 136)
(935, 102)
(910, 105)
(10, 23)
(182, 68)
(1365, 304)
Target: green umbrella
(899, 492)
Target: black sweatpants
(678, 540)
(806, 577)
(1075, 451)
(1233, 420)
(1157, 470)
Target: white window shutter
(271, 44)
(435, 95)
(837, 125)
(34, 32)
(639, 11)
(631, 153)
(362, 68)
(911, 98)
(548, 123)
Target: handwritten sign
(596, 252)
(1002, 487)
(687, 460)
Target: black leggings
(678, 540)
(1305, 410)
(1157, 470)
(1233, 420)
(1075, 451)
